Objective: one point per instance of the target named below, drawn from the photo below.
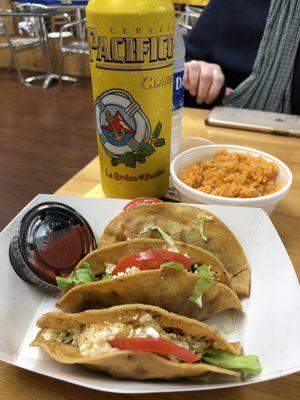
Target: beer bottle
(131, 57)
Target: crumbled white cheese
(95, 349)
(101, 332)
(128, 271)
(131, 333)
(145, 318)
(151, 332)
(50, 334)
(109, 267)
(94, 339)
(137, 332)
(69, 337)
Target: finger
(186, 76)
(216, 86)
(194, 69)
(205, 82)
(228, 90)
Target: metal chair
(79, 46)
(192, 14)
(29, 26)
(188, 17)
(3, 43)
(18, 44)
(28, 23)
(57, 21)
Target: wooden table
(19, 384)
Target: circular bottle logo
(124, 129)
(121, 123)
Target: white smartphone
(259, 121)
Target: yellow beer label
(131, 56)
(122, 50)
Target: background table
(40, 16)
(33, 60)
(18, 384)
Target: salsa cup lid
(49, 241)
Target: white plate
(269, 327)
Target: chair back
(2, 28)
(187, 18)
(192, 14)
(4, 31)
(29, 26)
(80, 27)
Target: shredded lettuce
(172, 264)
(249, 364)
(152, 227)
(202, 284)
(64, 284)
(204, 271)
(201, 221)
(81, 275)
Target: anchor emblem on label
(123, 128)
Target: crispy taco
(187, 224)
(141, 342)
(190, 282)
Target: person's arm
(203, 79)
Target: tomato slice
(151, 259)
(152, 345)
(142, 200)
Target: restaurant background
(43, 146)
(75, 64)
(47, 136)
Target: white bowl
(205, 153)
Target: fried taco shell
(187, 224)
(114, 253)
(164, 287)
(127, 364)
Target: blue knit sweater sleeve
(201, 40)
(228, 33)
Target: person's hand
(203, 80)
